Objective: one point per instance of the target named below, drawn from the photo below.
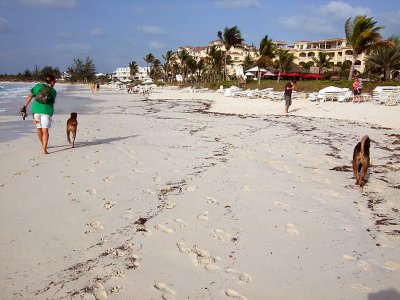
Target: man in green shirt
(42, 110)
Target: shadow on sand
(390, 294)
(92, 143)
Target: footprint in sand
(95, 225)
(232, 293)
(116, 289)
(211, 200)
(246, 188)
(334, 194)
(180, 223)
(361, 287)
(119, 273)
(244, 277)
(203, 216)
(92, 191)
(108, 178)
(90, 170)
(99, 292)
(221, 235)
(163, 228)
(202, 259)
(109, 204)
(156, 179)
(76, 200)
(284, 206)
(150, 192)
(365, 266)
(168, 204)
(191, 188)
(392, 265)
(168, 293)
(291, 229)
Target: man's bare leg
(43, 135)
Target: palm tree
(322, 61)
(183, 56)
(267, 53)
(267, 47)
(231, 37)
(386, 57)
(215, 61)
(149, 59)
(156, 70)
(168, 57)
(133, 68)
(362, 36)
(248, 62)
(283, 61)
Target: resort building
(237, 54)
(336, 48)
(303, 51)
(125, 73)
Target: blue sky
(116, 32)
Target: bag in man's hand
(43, 96)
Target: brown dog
(361, 160)
(72, 126)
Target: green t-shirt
(39, 108)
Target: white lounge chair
(346, 96)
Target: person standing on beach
(42, 108)
(288, 94)
(98, 87)
(92, 87)
(356, 91)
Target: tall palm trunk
(226, 56)
(353, 62)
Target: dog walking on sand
(361, 160)
(72, 126)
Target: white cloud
(340, 10)
(306, 24)
(49, 3)
(392, 17)
(97, 31)
(236, 3)
(152, 30)
(4, 24)
(156, 45)
(72, 48)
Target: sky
(113, 33)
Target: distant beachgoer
(98, 87)
(288, 94)
(356, 91)
(92, 86)
(43, 108)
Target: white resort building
(125, 73)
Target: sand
(200, 196)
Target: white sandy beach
(201, 196)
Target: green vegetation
(362, 36)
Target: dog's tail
(365, 143)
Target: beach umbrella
(256, 69)
(267, 73)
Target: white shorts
(42, 121)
